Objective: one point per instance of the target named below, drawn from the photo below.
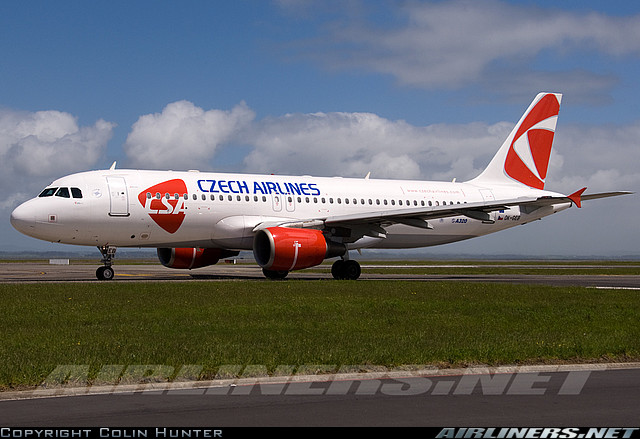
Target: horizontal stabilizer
(604, 195)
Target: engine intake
(286, 249)
(188, 258)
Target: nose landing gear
(106, 272)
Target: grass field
(384, 323)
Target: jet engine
(281, 249)
(188, 258)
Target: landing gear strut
(106, 272)
(345, 269)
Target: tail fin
(523, 158)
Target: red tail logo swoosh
(528, 156)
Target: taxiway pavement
(33, 272)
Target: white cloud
(183, 135)
(353, 144)
(603, 158)
(40, 146)
(455, 44)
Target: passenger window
(48, 192)
(63, 192)
(76, 193)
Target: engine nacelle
(286, 249)
(188, 258)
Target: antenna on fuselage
(113, 166)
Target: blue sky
(424, 90)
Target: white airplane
(194, 219)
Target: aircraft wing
(354, 226)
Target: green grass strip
(383, 323)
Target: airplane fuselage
(138, 208)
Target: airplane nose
(23, 219)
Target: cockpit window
(63, 192)
(76, 193)
(48, 192)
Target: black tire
(274, 275)
(351, 270)
(105, 273)
(337, 270)
(345, 270)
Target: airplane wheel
(345, 270)
(337, 269)
(104, 273)
(352, 270)
(274, 275)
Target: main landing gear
(106, 272)
(342, 269)
(345, 269)
(274, 275)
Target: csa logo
(164, 203)
(528, 157)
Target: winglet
(575, 197)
